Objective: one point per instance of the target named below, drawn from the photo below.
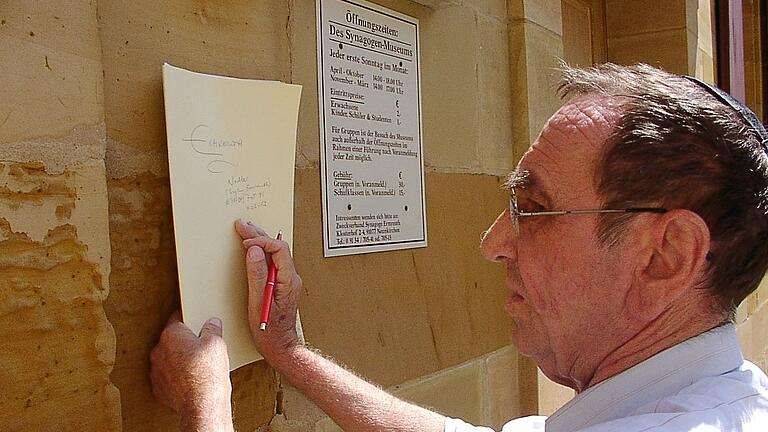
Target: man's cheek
(535, 285)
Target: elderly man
(637, 224)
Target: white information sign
(370, 128)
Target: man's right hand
(280, 337)
(353, 403)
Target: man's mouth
(514, 298)
(514, 283)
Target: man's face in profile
(566, 290)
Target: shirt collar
(709, 354)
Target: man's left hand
(190, 374)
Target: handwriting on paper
(240, 190)
(216, 149)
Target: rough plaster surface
(83, 143)
(58, 346)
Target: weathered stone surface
(58, 348)
(144, 277)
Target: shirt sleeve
(522, 424)
(456, 425)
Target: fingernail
(216, 322)
(255, 253)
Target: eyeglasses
(515, 214)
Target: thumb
(256, 266)
(212, 327)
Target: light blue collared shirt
(702, 385)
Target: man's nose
(500, 242)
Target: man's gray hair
(676, 146)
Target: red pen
(269, 289)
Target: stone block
(241, 39)
(665, 49)
(144, 291)
(303, 41)
(522, 136)
(534, 58)
(759, 297)
(703, 26)
(439, 4)
(742, 312)
(495, 107)
(254, 390)
(625, 18)
(503, 390)
(327, 425)
(543, 13)
(705, 66)
(404, 314)
(552, 395)
(577, 30)
(543, 51)
(490, 9)
(456, 392)
(759, 321)
(51, 69)
(450, 110)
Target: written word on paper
(221, 155)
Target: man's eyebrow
(519, 179)
(524, 179)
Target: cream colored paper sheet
(231, 147)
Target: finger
(212, 327)
(174, 318)
(157, 387)
(246, 229)
(279, 253)
(256, 267)
(175, 329)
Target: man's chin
(525, 344)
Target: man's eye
(529, 206)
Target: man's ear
(672, 259)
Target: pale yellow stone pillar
(535, 47)
(674, 35)
(58, 347)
